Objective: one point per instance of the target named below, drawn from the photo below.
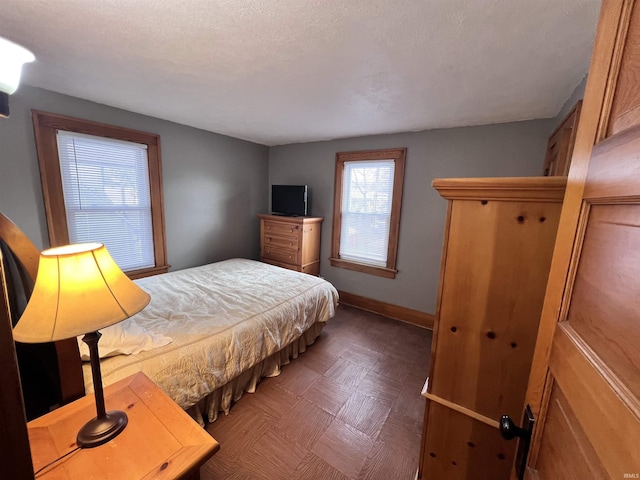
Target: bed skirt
(221, 399)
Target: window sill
(147, 272)
(363, 268)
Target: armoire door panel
(625, 111)
(573, 456)
(621, 182)
(607, 414)
(605, 306)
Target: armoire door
(592, 423)
(585, 382)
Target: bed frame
(50, 373)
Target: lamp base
(101, 430)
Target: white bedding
(224, 318)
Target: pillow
(124, 338)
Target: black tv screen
(289, 200)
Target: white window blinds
(106, 195)
(367, 193)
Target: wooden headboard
(50, 373)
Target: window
(103, 184)
(366, 211)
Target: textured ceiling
(287, 71)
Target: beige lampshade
(78, 289)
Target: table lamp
(79, 290)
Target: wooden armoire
(498, 242)
(584, 384)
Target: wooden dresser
(291, 242)
(557, 159)
(498, 242)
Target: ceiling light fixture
(12, 57)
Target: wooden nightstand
(161, 441)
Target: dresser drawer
(277, 228)
(288, 266)
(311, 269)
(282, 242)
(286, 256)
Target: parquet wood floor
(347, 408)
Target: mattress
(224, 318)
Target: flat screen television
(290, 200)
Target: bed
(230, 324)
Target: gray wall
(213, 185)
(513, 149)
